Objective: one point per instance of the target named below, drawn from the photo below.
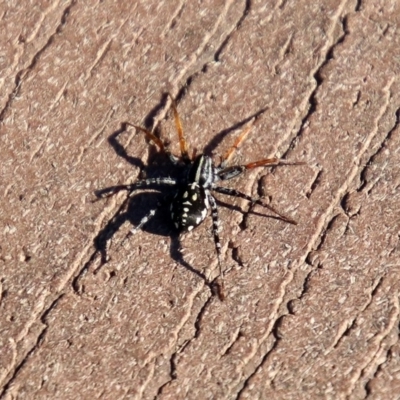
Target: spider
(193, 196)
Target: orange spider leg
(150, 136)
(178, 124)
(228, 155)
(269, 161)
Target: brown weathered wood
(312, 311)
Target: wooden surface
(312, 311)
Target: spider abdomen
(189, 207)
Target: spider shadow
(160, 225)
(148, 123)
(121, 152)
(132, 211)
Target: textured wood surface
(312, 311)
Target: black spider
(193, 197)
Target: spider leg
(228, 155)
(111, 191)
(151, 136)
(254, 200)
(235, 170)
(145, 219)
(182, 140)
(217, 242)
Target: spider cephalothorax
(193, 198)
